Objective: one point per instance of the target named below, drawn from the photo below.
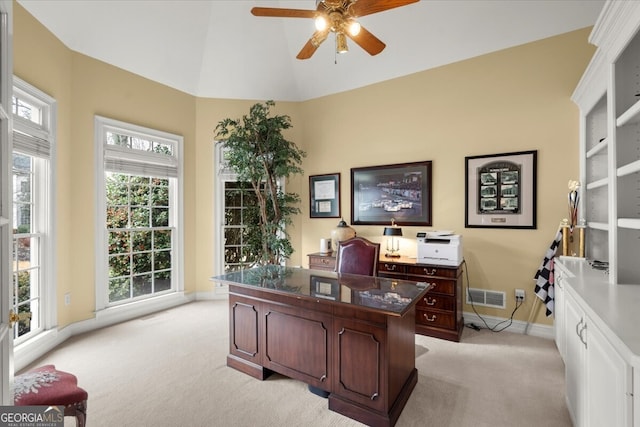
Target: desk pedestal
(364, 359)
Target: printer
(443, 248)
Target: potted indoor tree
(256, 150)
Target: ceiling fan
(339, 17)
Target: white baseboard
(517, 326)
(26, 353)
(219, 292)
(121, 313)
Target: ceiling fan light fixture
(341, 43)
(354, 28)
(321, 23)
(339, 17)
(319, 37)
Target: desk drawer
(322, 263)
(441, 286)
(389, 267)
(440, 302)
(435, 318)
(430, 270)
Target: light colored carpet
(169, 369)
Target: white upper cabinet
(609, 99)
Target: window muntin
(140, 177)
(27, 108)
(238, 198)
(235, 208)
(32, 175)
(139, 236)
(26, 256)
(140, 143)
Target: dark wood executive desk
(352, 336)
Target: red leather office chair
(358, 256)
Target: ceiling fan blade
(283, 13)
(367, 7)
(307, 50)
(368, 41)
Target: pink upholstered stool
(48, 386)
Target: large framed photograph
(501, 190)
(401, 192)
(324, 196)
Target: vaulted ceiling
(218, 49)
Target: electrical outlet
(520, 295)
(67, 298)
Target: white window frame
(103, 125)
(44, 199)
(223, 173)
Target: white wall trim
(101, 125)
(31, 350)
(517, 326)
(215, 294)
(27, 352)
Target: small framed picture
(324, 196)
(325, 287)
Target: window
(236, 207)
(139, 177)
(238, 197)
(32, 256)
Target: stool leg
(81, 413)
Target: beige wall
(52, 57)
(208, 113)
(84, 87)
(513, 100)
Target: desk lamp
(393, 245)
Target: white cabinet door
(636, 397)
(559, 314)
(608, 388)
(574, 361)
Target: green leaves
(260, 155)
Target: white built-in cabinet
(599, 366)
(574, 363)
(597, 315)
(559, 315)
(608, 96)
(608, 379)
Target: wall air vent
(485, 298)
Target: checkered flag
(544, 277)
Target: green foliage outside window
(139, 236)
